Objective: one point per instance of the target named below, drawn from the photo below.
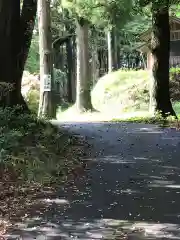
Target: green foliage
(30, 89)
(60, 76)
(34, 150)
(32, 99)
(32, 64)
(176, 107)
(158, 119)
(129, 34)
(101, 13)
(61, 23)
(175, 10)
(175, 84)
(178, 10)
(174, 71)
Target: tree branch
(61, 40)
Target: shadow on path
(130, 189)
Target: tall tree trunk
(5, 49)
(160, 96)
(118, 56)
(114, 49)
(9, 17)
(83, 91)
(74, 70)
(46, 64)
(69, 52)
(110, 60)
(95, 66)
(27, 23)
(94, 56)
(16, 35)
(69, 69)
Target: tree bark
(7, 17)
(160, 96)
(15, 43)
(110, 60)
(114, 49)
(74, 69)
(95, 66)
(83, 91)
(118, 56)
(46, 64)
(69, 69)
(69, 52)
(26, 25)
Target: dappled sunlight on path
(130, 188)
(71, 115)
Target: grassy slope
(124, 92)
(34, 150)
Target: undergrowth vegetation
(170, 121)
(32, 99)
(36, 158)
(33, 150)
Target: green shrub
(175, 84)
(31, 90)
(32, 64)
(32, 99)
(174, 71)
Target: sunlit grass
(176, 107)
(72, 115)
(122, 91)
(118, 96)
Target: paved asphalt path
(131, 188)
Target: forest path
(130, 189)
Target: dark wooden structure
(174, 44)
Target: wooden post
(46, 61)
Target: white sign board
(46, 83)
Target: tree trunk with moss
(160, 95)
(16, 28)
(83, 91)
